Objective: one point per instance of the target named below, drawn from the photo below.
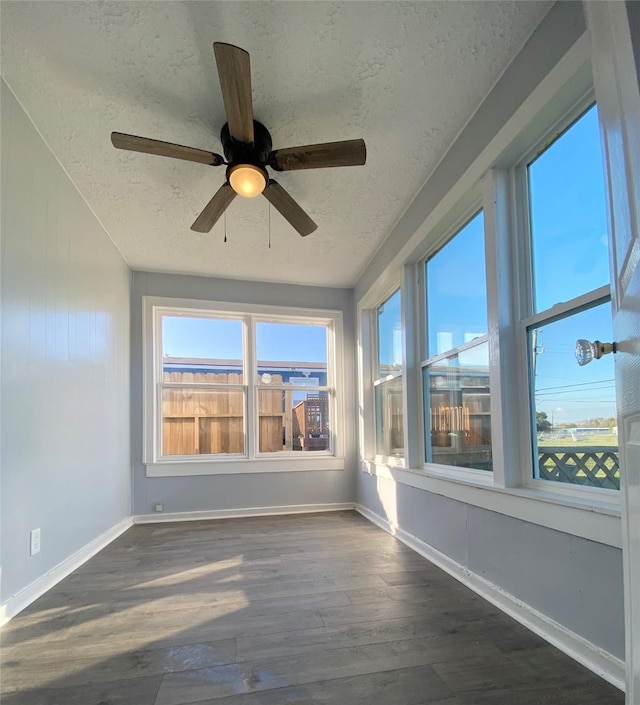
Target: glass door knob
(587, 351)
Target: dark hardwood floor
(322, 608)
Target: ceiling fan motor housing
(242, 153)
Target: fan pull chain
(225, 222)
(269, 225)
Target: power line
(579, 384)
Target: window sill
(242, 466)
(593, 519)
(392, 461)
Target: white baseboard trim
(602, 663)
(16, 603)
(161, 518)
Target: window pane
(575, 407)
(568, 216)
(293, 420)
(456, 289)
(192, 344)
(458, 413)
(291, 353)
(200, 420)
(389, 336)
(390, 418)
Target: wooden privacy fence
(463, 426)
(210, 420)
(596, 466)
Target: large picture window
(455, 373)
(239, 385)
(573, 408)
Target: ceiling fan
(248, 150)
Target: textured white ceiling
(405, 76)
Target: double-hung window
(389, 399)
(295, 397)
(455, 370)
(573, 407)
(232, 385)
(202, 391)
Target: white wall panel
(65, 362)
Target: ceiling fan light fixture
(248, 180)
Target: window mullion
(366, 354)
(251, 395)
(521, 266)
(411, 364)
(501, 318)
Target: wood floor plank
(520, 671)
(419, 685)
(583, 694)
(310, 667)
(292, 610)
(67, 673)
(141, 691)
(350, 635)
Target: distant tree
(599, 422)
(542, 421)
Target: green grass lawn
(551, 439)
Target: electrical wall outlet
(159, 507)
(34, 536)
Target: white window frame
(529, 318)
(329, 388)
(443, 470)
(565, 309)
(252, 460)
(396, 461)
(367, 360)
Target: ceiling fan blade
(319, 156)
(164, 149)
(283, 202)
(214, 209)
(234, 71)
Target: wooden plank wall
(200, 420)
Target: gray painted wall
(576, 582)
(65, 362)
(239, 491)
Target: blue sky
(389, 330)
(457, 290)
(184, 336)
(565, 390)
(569, 221)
